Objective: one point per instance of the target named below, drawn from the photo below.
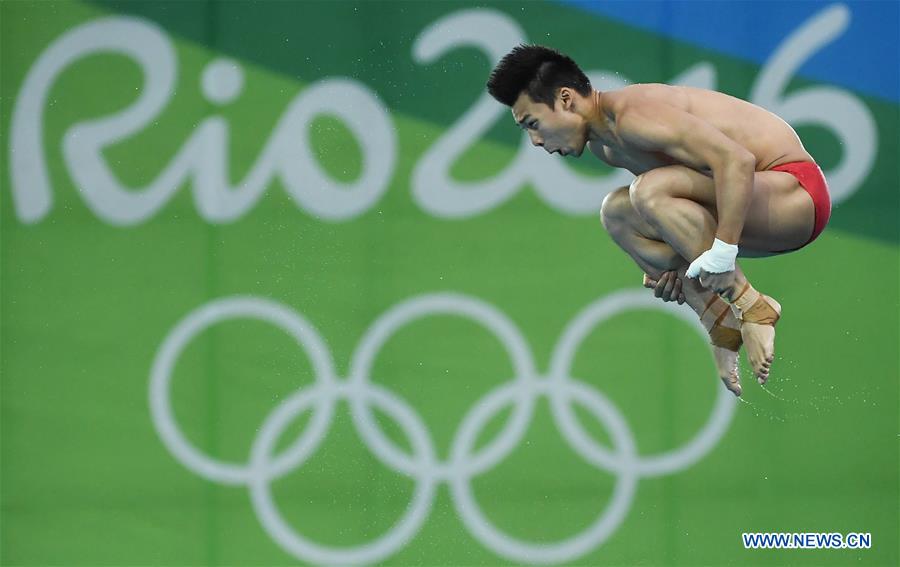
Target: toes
(733, 384)
(763, 375)
(733, 387)
(756, 364)
(761, 371)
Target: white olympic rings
(423, 464)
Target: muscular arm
(656, 126)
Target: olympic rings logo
(423, 465)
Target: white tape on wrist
(720, 258)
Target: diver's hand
(668, 288)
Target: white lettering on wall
(202, 159)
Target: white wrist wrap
(720, 258)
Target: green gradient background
(85, 306)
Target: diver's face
(557, 130)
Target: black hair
(540, 71)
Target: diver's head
(545, 90)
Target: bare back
(769, 138)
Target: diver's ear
(565, 97)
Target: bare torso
(769, 138)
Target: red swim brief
(813, 181)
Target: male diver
(716, 177)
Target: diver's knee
(647, 195)
(616, 208)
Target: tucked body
(716, 176)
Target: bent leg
(780, 216)
(646, 238)
(636, 237)
(672, 199)
(641, 241)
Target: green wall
(268, 298)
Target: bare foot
(727, 365)
(667, 289)
(758, 333)
(726, 341)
